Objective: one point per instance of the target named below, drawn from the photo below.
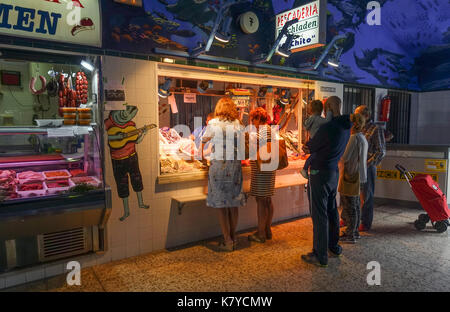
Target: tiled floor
(410, 261)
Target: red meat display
(8, 184)
(58, 184)
(30, 176)
(31, 187)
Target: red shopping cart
(431, 198)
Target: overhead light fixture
(284, 50)
(87, 65)
(224, 34)
(204, 85)
(168, 60)
(163, 90)
(334, 61)
(223, 21)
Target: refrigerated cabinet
(53, 200)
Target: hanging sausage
(43, 85)
(82, 88)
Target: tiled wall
(160, 226)
(433, 116)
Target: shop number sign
(68, 21)
(310, 31)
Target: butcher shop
(53, 199)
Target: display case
(184, 112)
(53, 199)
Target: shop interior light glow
(168, 60)
(163, 90)
(87, 65)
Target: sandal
(268, 234)
(225, 246)
(254, 237)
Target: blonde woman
(353, 175)
(225, 190)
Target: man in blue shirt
(329, 145)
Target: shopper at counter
(262, 184)
(225, 182)
(312, 125)
(329, 144)
(353, 173)
(377, 150)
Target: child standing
(312, 125)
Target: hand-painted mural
(410, 49)
(122, 139)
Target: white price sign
(60, 132)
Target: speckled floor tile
(410, 261)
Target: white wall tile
(119, 253)
(14, 280)
(35, 275)
(54, 269)
(145, 246)
(132, 249)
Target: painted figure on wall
(122, 139)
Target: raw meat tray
(57, 190)
(68, 175)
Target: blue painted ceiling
(410, 49)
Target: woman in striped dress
(262, 182)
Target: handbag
(349, 184)
(283, 161)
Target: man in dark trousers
(329, 145)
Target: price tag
(60, 132)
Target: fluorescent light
(168, 60)
(87, 65)
(283, 54)
(333, 63)
(222, 38)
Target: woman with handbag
(225, 182)
(262, 184)
(353, 174)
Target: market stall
(191, 96)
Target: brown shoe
(255, 238)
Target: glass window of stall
(49, 135)
(185, 105)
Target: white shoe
(304, 173)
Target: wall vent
(58, 245)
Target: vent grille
(63, 244)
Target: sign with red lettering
(68, 21)
(310, 30)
